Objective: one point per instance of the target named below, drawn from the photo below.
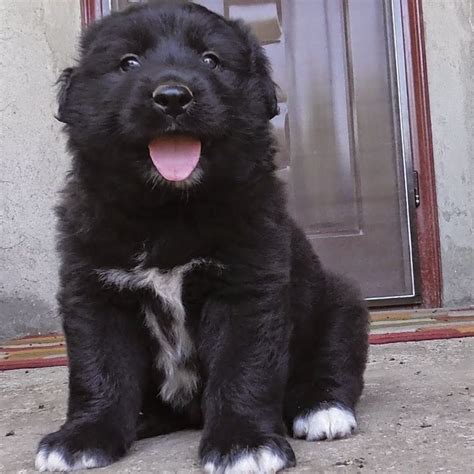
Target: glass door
(343, 132)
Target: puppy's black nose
(172, 99)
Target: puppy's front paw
(246, 453)
(325, 423)
(78, 447)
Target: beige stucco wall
(37, 40)
(450, 60)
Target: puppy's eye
(129, 61)
(211, 60)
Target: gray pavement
(415, 417)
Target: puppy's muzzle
(173, 99)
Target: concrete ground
(415, 417)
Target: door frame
(427, 226)
(426, 216)
(91, 10)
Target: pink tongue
(175, 157)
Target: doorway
(343, 132)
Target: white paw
(261, 461)
(327, 423)
(54, 460)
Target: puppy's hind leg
(328, 357)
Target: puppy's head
(173, 90)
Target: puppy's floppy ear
(261, 68)
(64, 83)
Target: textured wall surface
(37, 40)
(450, 58)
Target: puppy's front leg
(106, 374)
(244, 348)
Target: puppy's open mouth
(175, 156)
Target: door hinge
(416, 188)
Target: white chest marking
(176, 346)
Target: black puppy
(189, 297)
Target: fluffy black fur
(275, 336)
